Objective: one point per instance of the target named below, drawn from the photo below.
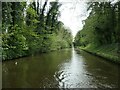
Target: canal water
(60, 69)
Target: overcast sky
(72, 14)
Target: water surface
(60, 69)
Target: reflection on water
(72, 74)
(60, 69)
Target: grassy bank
(109, 52)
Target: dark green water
(60, 69)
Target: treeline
(101, 29)
(29, 28)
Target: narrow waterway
(60, 69)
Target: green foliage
(100, 26)
(100, 33)
(25, 33)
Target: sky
(72, 15)
(73, 12)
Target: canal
(60, 69)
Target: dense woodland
(101, 31)
(33, 27)
(29, 28)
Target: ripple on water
(62, 77)
(70, 71)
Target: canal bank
(36, 53)
(108, 52)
